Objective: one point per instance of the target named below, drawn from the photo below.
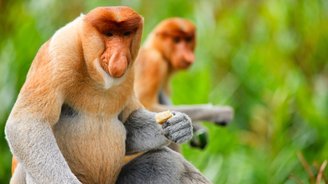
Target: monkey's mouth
(185, 64)
(108, 80)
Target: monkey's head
(175, 38)
(110, 42)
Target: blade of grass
(316, 166)
(306, 167)
(321, 170)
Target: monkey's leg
(160, 166)
(19, 176)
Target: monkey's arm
(202, 112)
(144, 133)
(31, 139)
(149, 90)
(30, 135)
(207, 112)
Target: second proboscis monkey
(76, 116)
(170, 48)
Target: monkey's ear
(137, 40)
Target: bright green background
(267, 59)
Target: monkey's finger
(177, 127)
(176, 135)
(183, 139)
(181, 136)
(178, 117)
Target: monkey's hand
(178, 128)
(144, 133)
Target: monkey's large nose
(189, 57)
(188, 60)
(117, 65)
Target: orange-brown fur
(169, 48)
(160, 57)
(14, 163)
(60, 75)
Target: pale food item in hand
(162, 117)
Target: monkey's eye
(188, 39)
(108, 33)
(127, 33)
(176, 39)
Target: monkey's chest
(93, 146)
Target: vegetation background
(266, 58)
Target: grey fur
(19, 175)
(217, 114)
(34, 142)
(178, 128)
(164, 99)
(161, 166)
(144, 134)
(67, 111)
(206, 112)
(30, 179)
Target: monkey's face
(111, 40)
(182, 54)
(177, 42)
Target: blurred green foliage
(266, 58)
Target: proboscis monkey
(170, 48)
(76, 116)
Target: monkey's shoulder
(150, 55)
